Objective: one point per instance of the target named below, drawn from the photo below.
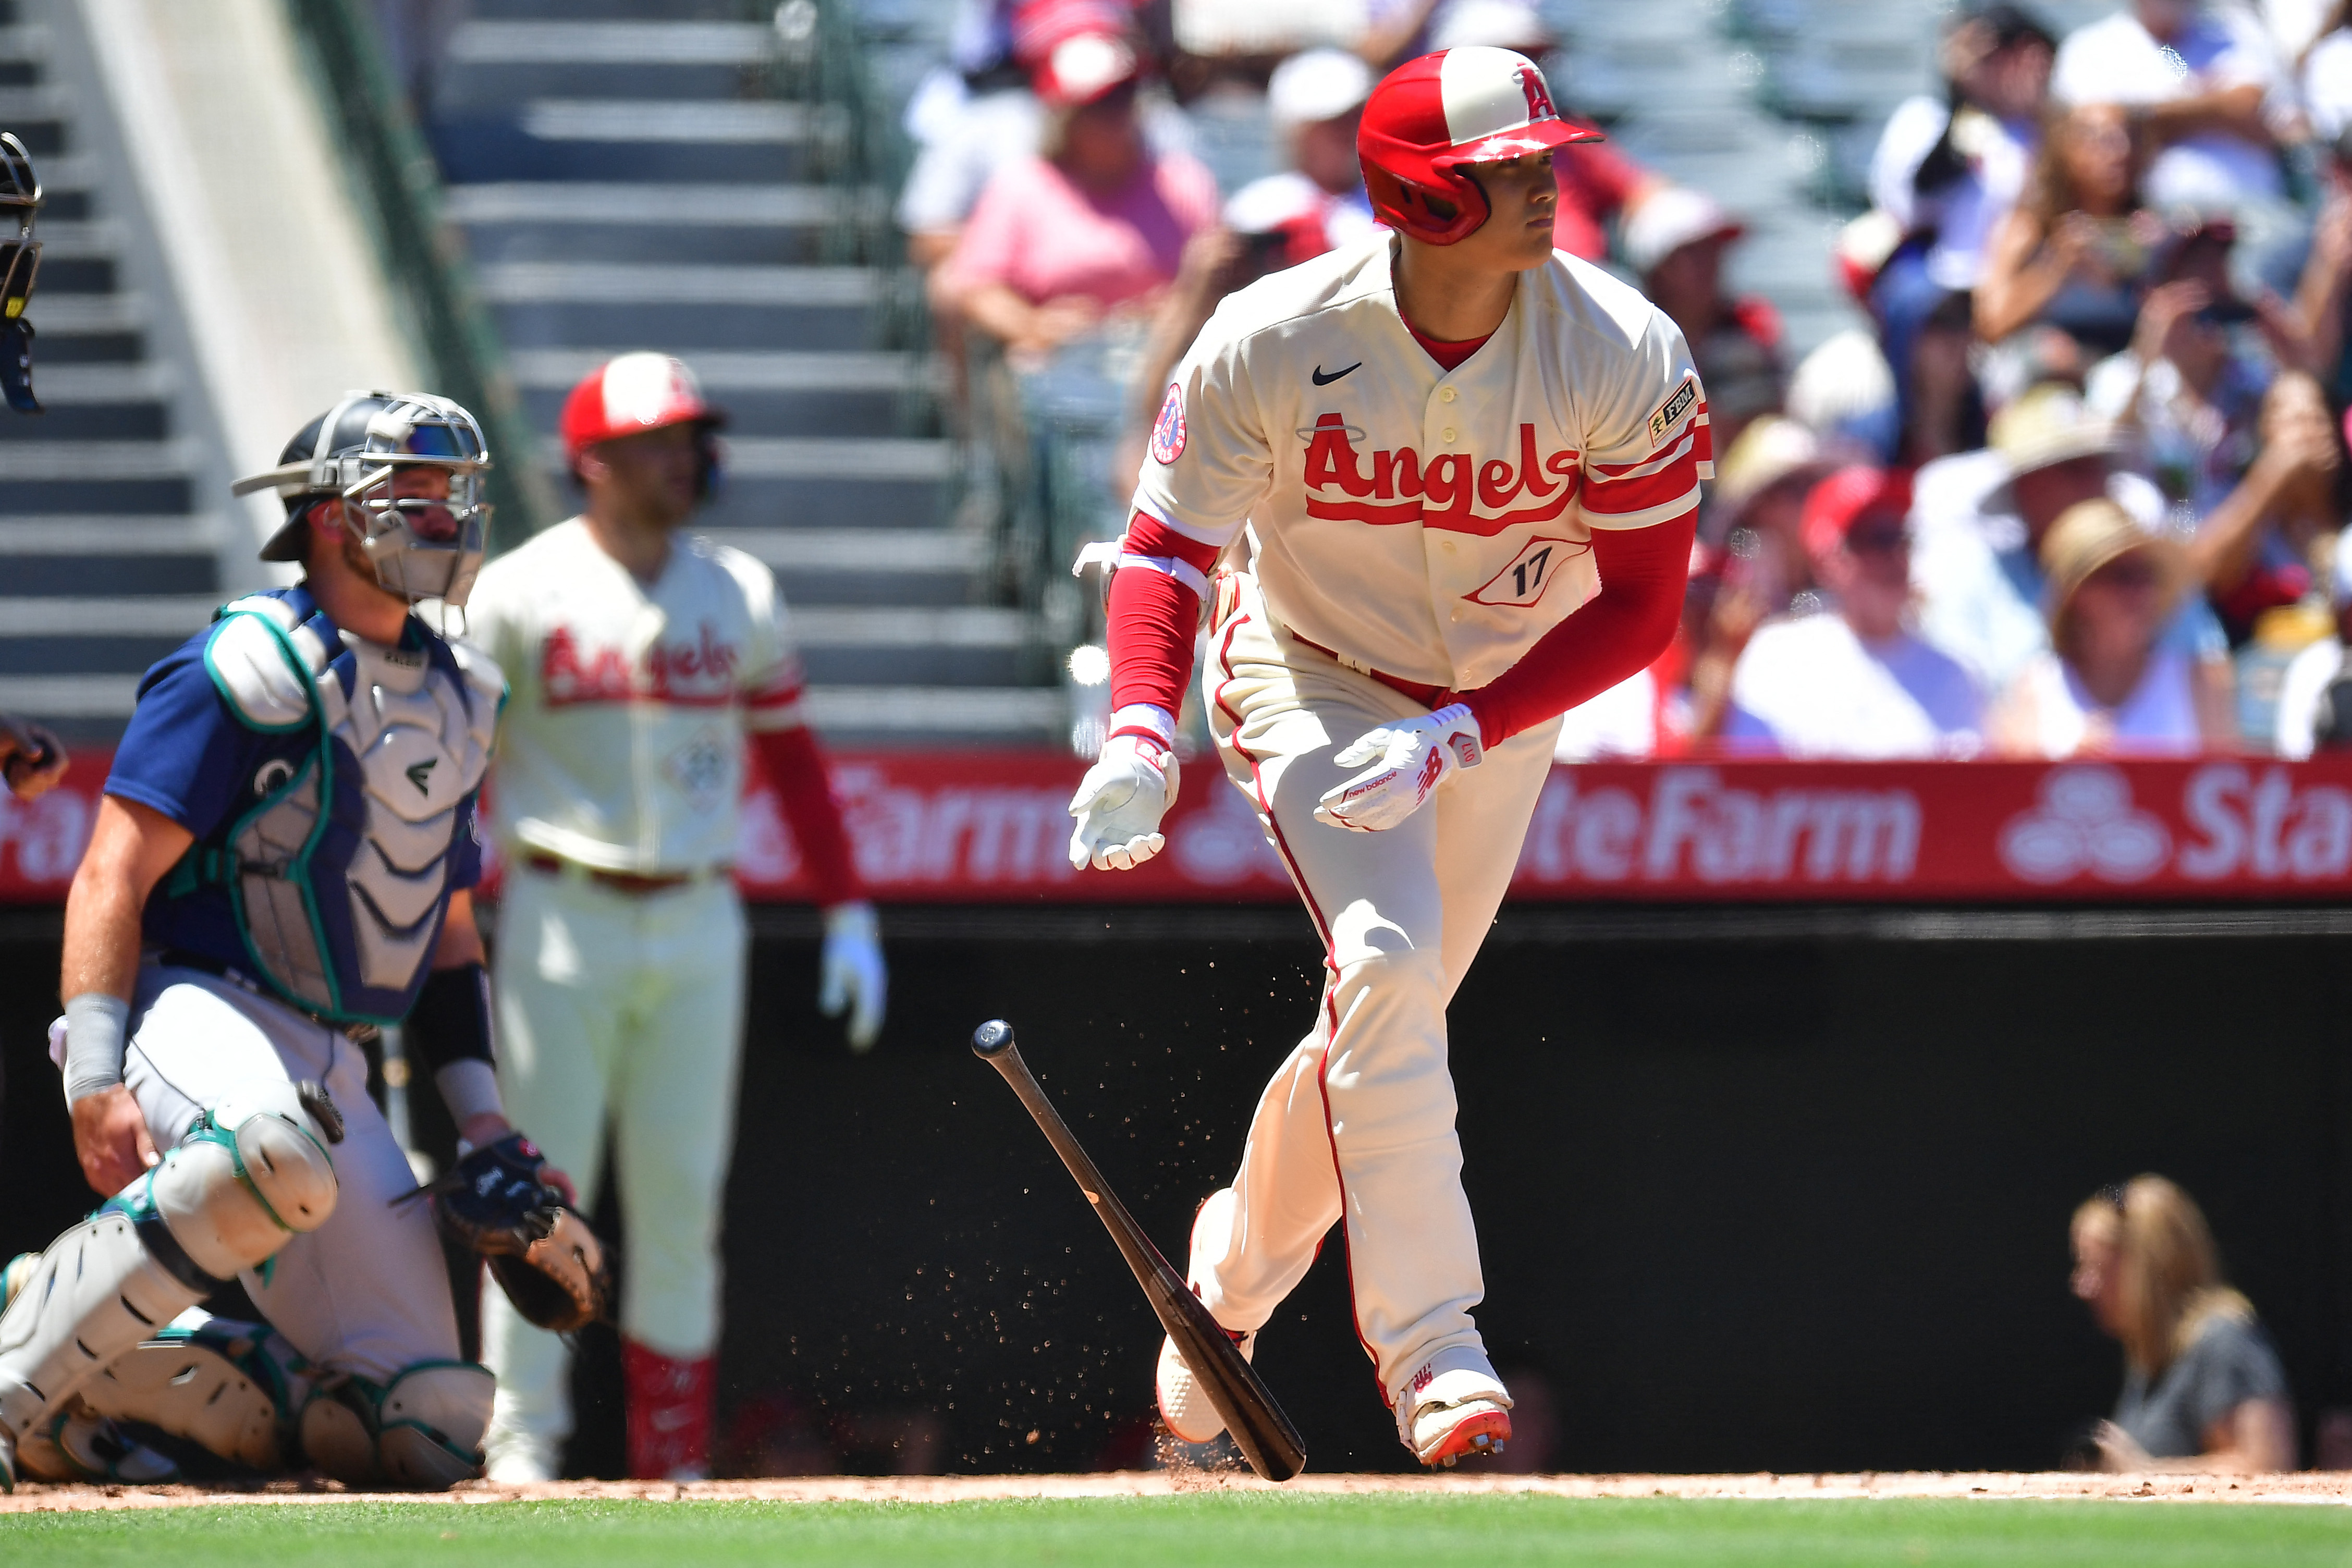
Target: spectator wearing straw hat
(1854, 681)
(1979, 519)
(2108, 685)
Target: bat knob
(991, 1040)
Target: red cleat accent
(1481, 1432)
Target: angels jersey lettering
(629, 702)
(1431, 524)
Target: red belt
(632, 883)
(1428, 696)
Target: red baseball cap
(1837, 504)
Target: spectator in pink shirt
(1098, 223)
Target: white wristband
(98, 1028)
(1148, 716)
(470, 1086)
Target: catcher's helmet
(421, 547)
(1431, 116)
(20, 265)
(633, 393)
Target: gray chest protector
(344, 923)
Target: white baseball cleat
(516, 1458)
(1184, 1406)
(1454, 1414)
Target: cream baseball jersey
(1427, 523)
(622, 743)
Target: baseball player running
(642, 659)
(282, 855)
(1469, 468)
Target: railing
(421, 254)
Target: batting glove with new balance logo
(1119, 804)
(1410, 759)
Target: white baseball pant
(368, 1292)
(631, 1007)
(1358, 1122)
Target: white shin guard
(252, 1173)
(422, 1431)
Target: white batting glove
(856, 980)
(1413, 757)
(1119, 804)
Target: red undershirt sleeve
(1626, 626)
(1155, 606)
(795, 764)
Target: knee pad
(97, 1291)
(421, 1432)
(253, 1172)
(229, 1387)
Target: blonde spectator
(1099, 224)
(2203, 1390)
(2071, 252)
(2109, 685)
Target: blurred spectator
(2203, 1390)
(981, 112)
(2107, 686)
(1098, 223)
(2314, 707)
(32, 761)
(1676, 241)
(1853, 681)
(1949, 169)
(2184, 396)
(2254, 551)
(2071, 253)
(1980, 518)
(1319, 204)
(2204, 87)
(2320, 295)
(1758, 568)
(1843, 392)
(1597, 183)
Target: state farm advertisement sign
(993, 827)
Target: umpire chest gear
(338, 870)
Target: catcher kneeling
(283, 859)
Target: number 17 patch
(1523, 581)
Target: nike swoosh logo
(1323, 379)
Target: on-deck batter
(1469, 468)
(641, 660)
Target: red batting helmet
(629, 394)
(1431, 116)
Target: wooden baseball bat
(1267, 1438)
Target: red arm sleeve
(1626, 626)
(795, 766)
(1155, 604)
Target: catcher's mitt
(545, 1257)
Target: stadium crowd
(2075, 488)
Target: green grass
(1199, 1532)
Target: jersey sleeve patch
(1668, 416)
(1168, 430)
(246, 660)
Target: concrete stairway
(108, 559)
(626, 179)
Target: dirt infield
(2308, 1487)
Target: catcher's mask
(20, 264)
(422, 547)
